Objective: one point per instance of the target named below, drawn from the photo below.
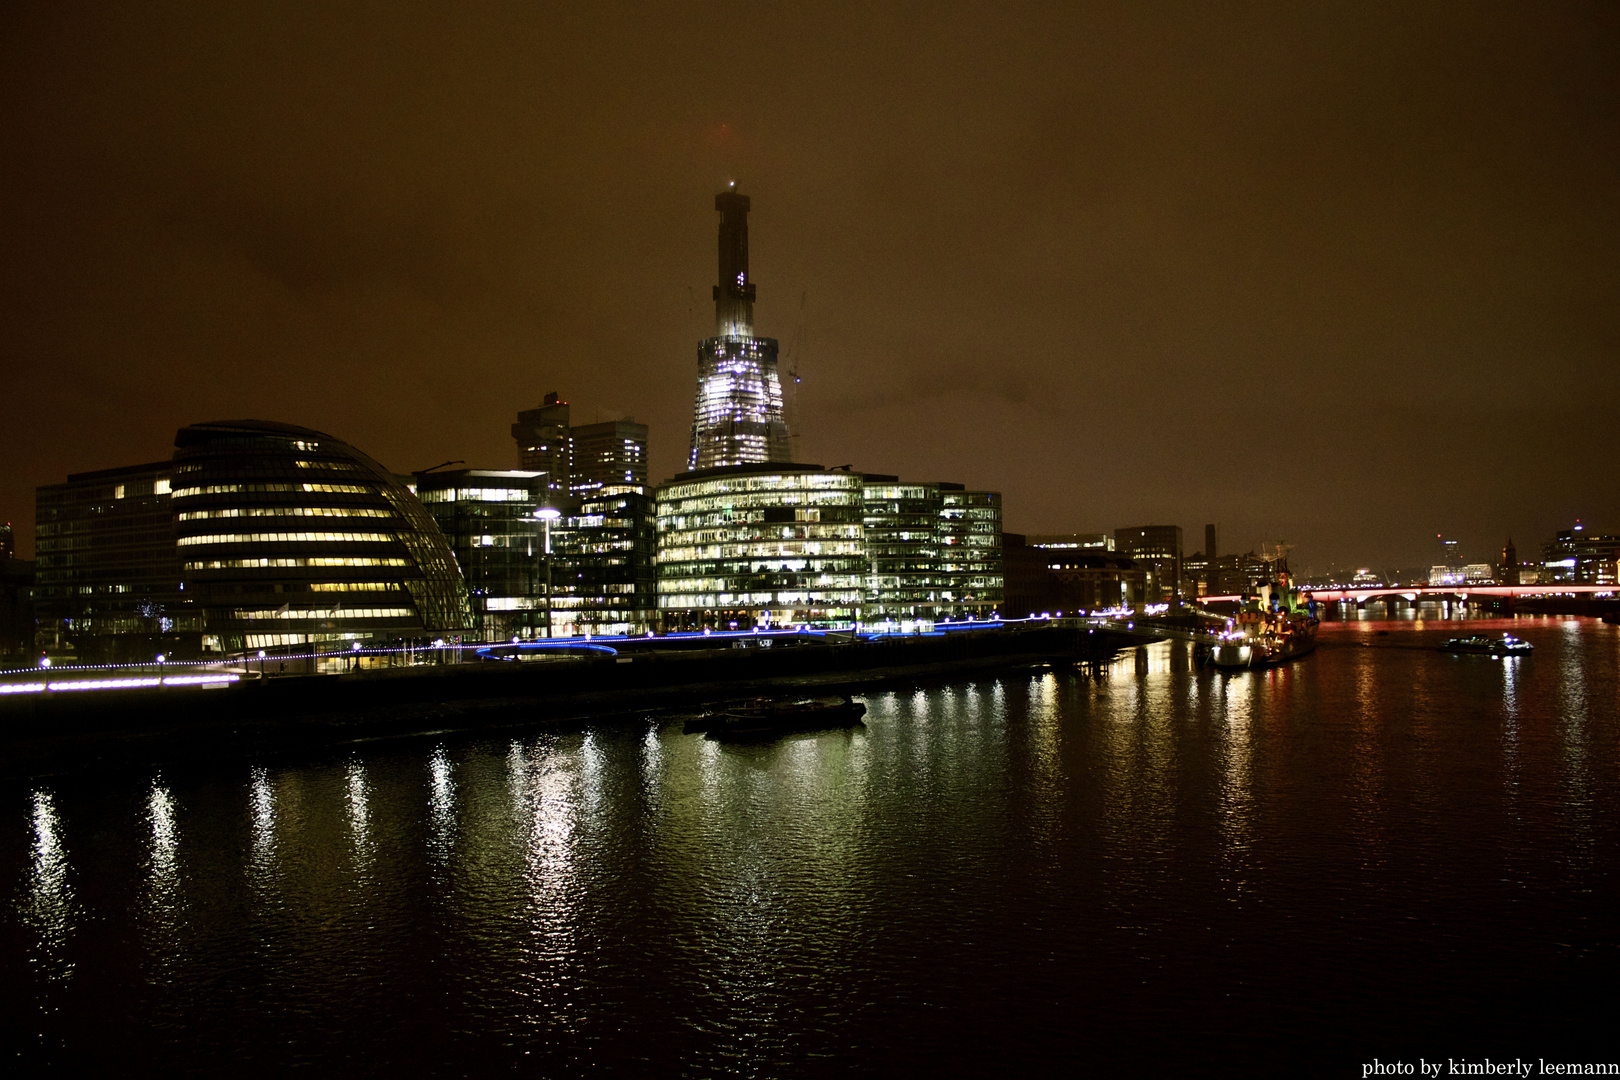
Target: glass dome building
(288, 537)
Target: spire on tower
(738, 417)
(733, 293)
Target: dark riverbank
(47, 732)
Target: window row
(243, 489)
(287, 538)
(287, 511)
(324, 613)
(255, 564)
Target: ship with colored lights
(1275, 625)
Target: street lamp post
(547, 514)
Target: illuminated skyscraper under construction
(738, 415)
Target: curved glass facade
(761, 545)
(290, 537)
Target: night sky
(1344, 275)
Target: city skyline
(1091, 259)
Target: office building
(1238, 575)
(16, 603)
(969, 553)
(579, 459)
(902, 526)
(610, 454)
(1581, 558)
(1157, 550)
(801, 545)
(933, 553)
(1080, 578)
(604, 578)
(761, 545)
(108, 580)
(738, 417)
(488, 518)
(544, 444)
(291, 539)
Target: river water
(1376, 852)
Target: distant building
(1081, 580)
(1157, 550)
(16, 610)
(1197, 569)
(1195, 575)
(544, 444)
(1027, 587)
(610, 454)
(577, 460)
(1449, 551)
(738, 417)
(1238, 575)
(8, 542)
(1467, 574)
(1580, 558)
(1090, 543)
(109, 586)
(1508, 572)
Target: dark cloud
(1336, 273)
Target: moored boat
(1275, 625)
(767, 716)
(1279, 637)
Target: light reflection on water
(995, 872)
(441, 808)
(48, 909)
(356, 801)
(1234, 740)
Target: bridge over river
(1144, 627)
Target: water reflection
(1512, 672)
(1368, 724)
(1044, 760)
(545, 792)
(163, 863)
(980, 849)
(48, 909)
(358, 804)
(262, 819)
(1574, 731)
(441, 808)
(1237, 709)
